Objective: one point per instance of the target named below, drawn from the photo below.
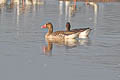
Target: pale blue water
(22, 41)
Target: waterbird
(83, 32)
(59, 35)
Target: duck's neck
(68, 28)
(50, 30)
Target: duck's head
(47, 25)
(68, 26)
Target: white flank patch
(72, 36)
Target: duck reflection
(48, 49)
(68, 44)
(83, 42)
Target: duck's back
(80, 29)
(62, 35)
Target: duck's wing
(63, 33)
(80, 29)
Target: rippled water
(22, 42)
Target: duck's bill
(43, 26)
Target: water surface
(22, 56)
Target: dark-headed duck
(83, 32)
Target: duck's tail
(85, 33)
